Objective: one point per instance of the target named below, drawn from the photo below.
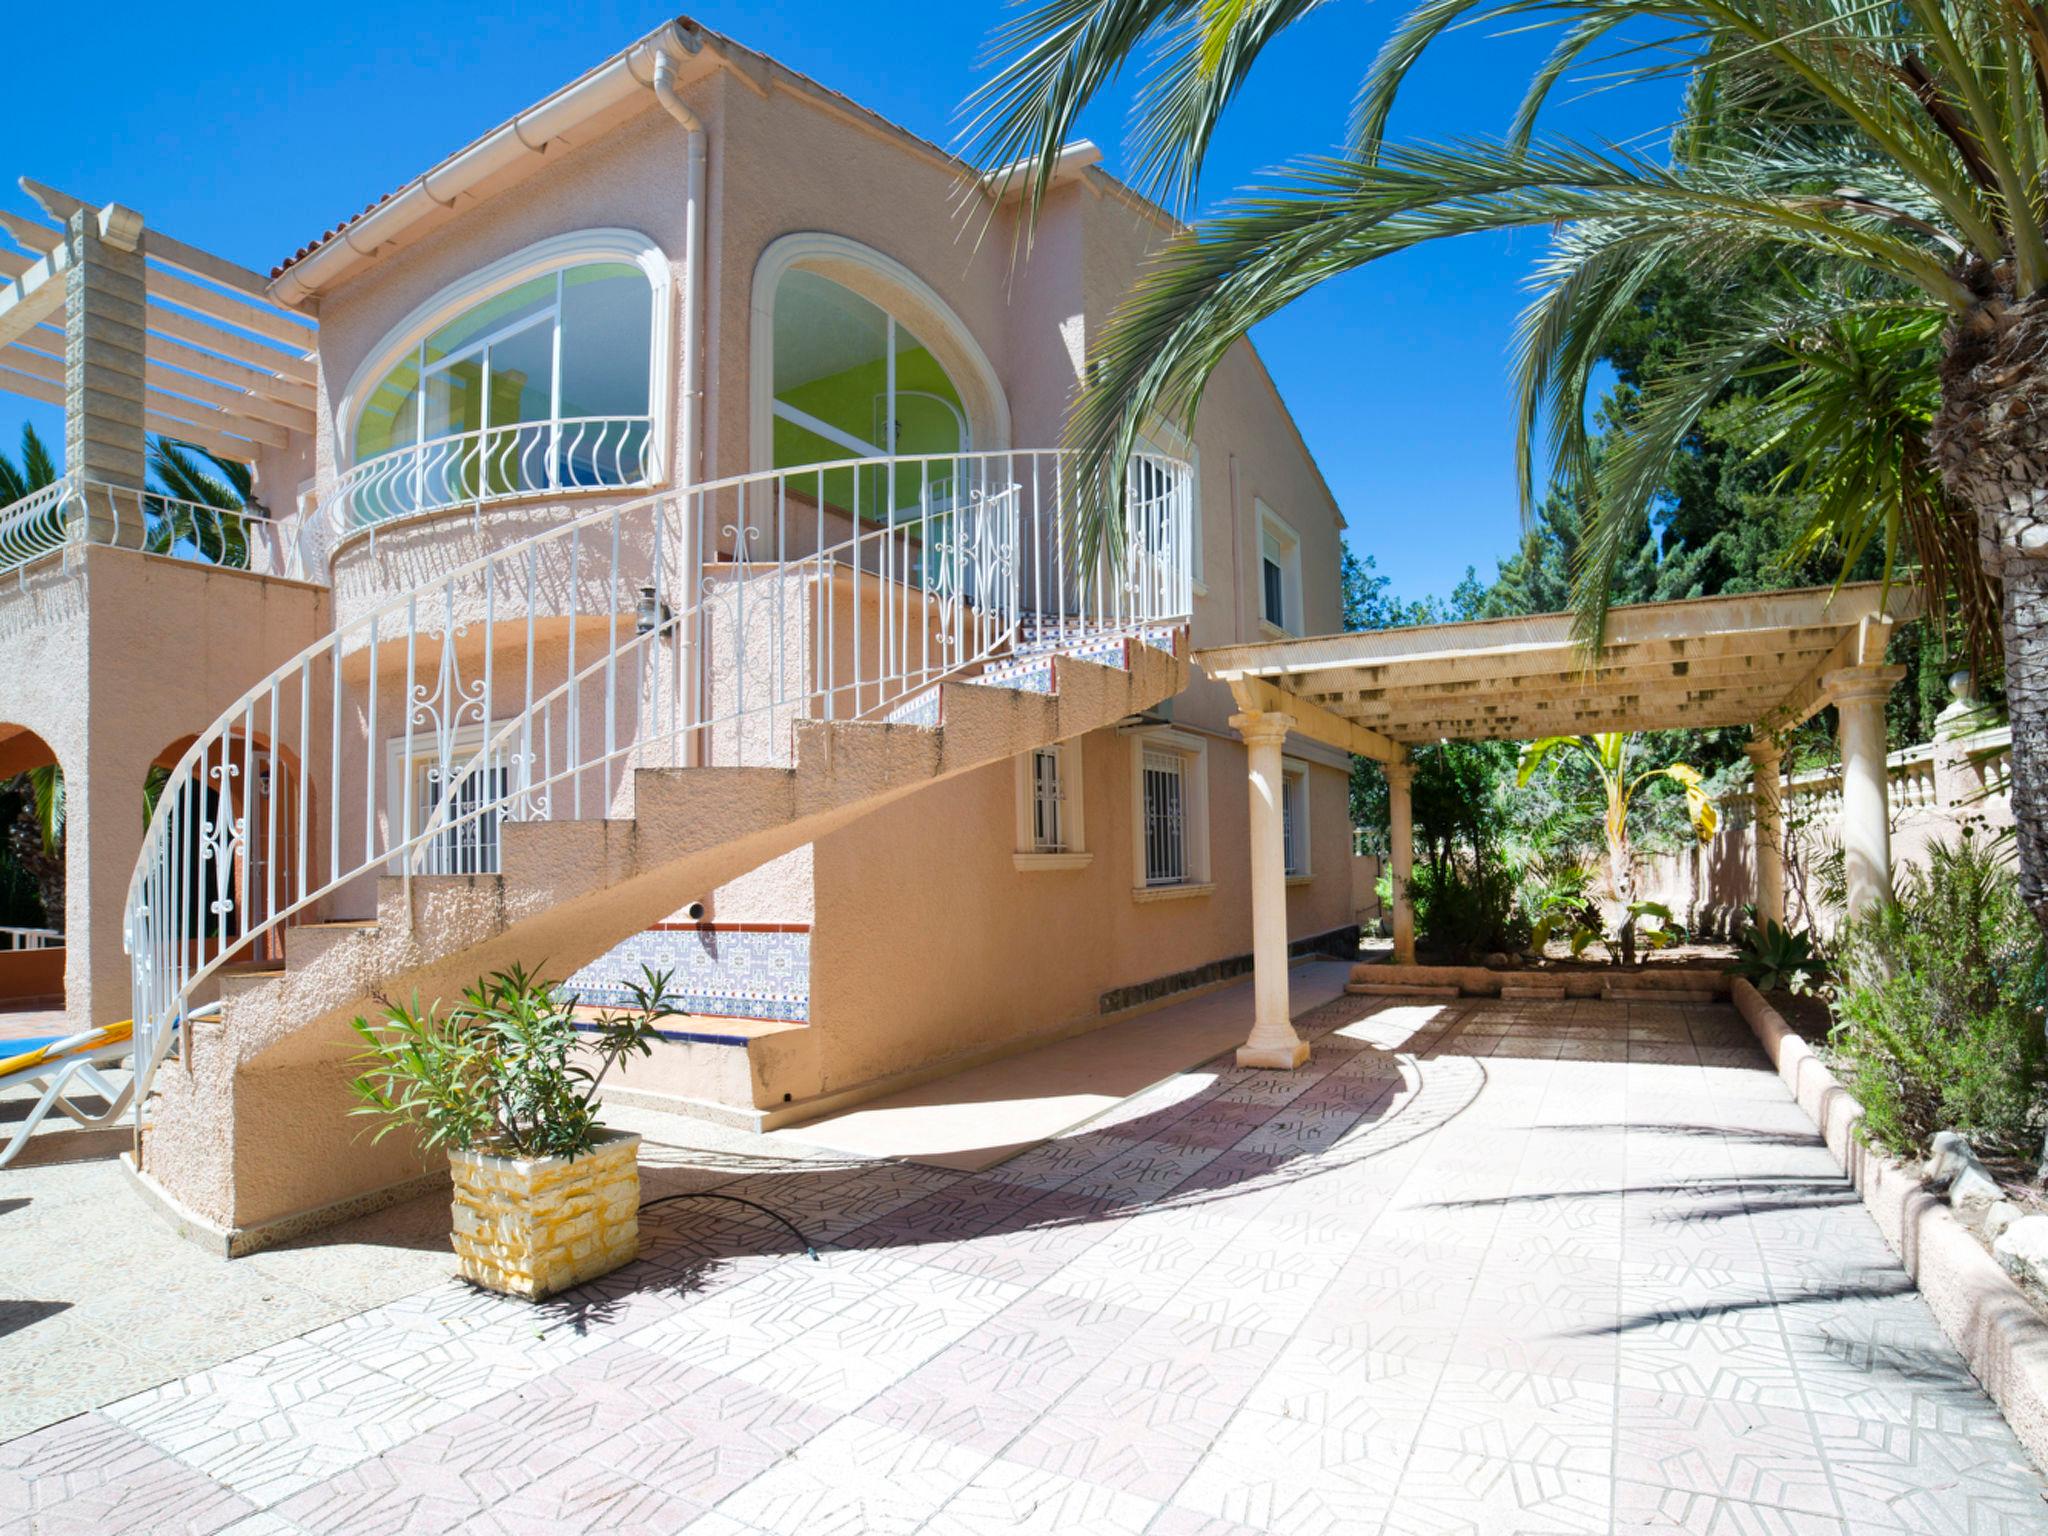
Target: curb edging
(1978, 1305)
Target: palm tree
(1885, 164)
(1608, 755)
(35, 469)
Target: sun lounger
(60, 1066)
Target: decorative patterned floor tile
(1587, 1286)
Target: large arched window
(855, 357)
(536, 374)
(854, 381)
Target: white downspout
(693, 263)
(691, 662)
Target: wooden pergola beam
(1255, 696)
(1361, 702)
(1862, 646)
(286, 378)
(1756, 616)
(241, 450)
(33, 296)
(176, 253)
(199, 413)
(238, 413)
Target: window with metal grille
(1166, 849)
(469, 846)
(1294, 822)
(1048, 801)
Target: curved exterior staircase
(550, 746)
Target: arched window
(854, 381)
(537, 380)
(856, 357)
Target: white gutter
(530, 133)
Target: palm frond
(1065, 53)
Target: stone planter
(532, 1226)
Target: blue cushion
(12, 1048)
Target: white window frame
(1194, 754)
(1288, 542)
(1030, 854)
(463, 744)
(1294, 820)
(1162, 437)
(576, 248)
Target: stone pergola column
(1273, 1042)
(104, 298)
(1858, 693)
(1767, 761)
(1401, 851)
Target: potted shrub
(506, 1083)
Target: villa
(660, 554)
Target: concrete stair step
(1532, 992)
(306, 942)
(1399, 989)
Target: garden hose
(810, 1251)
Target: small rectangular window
(1294, 822)
(467, 846)
(1276, 594)
(1048, 801)
(1166, 861)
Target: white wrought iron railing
(468, 469)
(72, 512)
(30, 938)
(694, 626)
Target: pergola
(1767, 662)
(132, 331)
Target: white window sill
(1145, 893)
(1042, 862)
(1308, 879)
(1270, 628)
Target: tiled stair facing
(1033, 666)
(567, 892)
(1040, 635)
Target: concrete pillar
(104, 297)
(1273, 1042)
(1401, 847)
(1767, 761)
(1858, 693)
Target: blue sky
(252, 130)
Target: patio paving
(1479, 1268)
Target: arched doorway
(31, 871)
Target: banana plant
(1609, 754)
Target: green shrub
(1467, 911)
(1775, 957)
(504, 1070)
(1939, 1016)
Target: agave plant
(1885, 163)
(1777, 958)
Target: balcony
(466, 471)
(70, 513)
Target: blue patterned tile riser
(1027, 674)
(729, 973)
(919, 709)
(1080, 641)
